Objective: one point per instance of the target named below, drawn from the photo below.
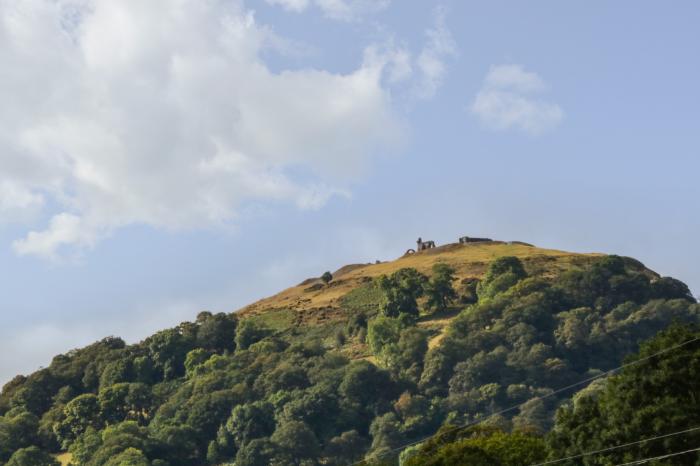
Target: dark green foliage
(250, 421)
(400, 292)
(296, 443)
(345, 448)
(367, 387)
(217, 332)
(398, 346)
(125, 401)
(326, 277)
(478, 446)
(526, 340)
(79, 414)
(129, 457)
(127, 441)
(439, 289)
(654, 397)
(194, 361)
(386, 435)
(168, 349)
(215, 391)
(467, 290)
(32, 456)
(670, 288)
(18, 429)
(258, 452)
(502, 274)
(250, 332)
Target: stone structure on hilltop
(421, 245)
(467, 239)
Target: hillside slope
(330, 373)
(311, 303)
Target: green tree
(502, 274)
(439, 289)
(18, 429)
(114, 441)
(257, 452)
(654, 397)
(32, 456)
(326, 277)
(383, 332)
(167, 350)
(178, 442)
(125, 401)
(85, 446)
(386, 435)
(478, 446)
(670, 288)
(250, 421)
(297, 442)
(400, 292)
(366, 386)
(250, 332)
(345, 448)
(318, 407)
(217, 332)
(194, 361)
(80, 413)
(129, 457)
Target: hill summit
(312, 303)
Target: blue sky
(161, 158)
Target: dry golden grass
(468, 260)
(435, 341)
(64, 458)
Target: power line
(616, 447)
(662, 457)
(559, 390)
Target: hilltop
(312, 303)
(353, 366)
(470, 260)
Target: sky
(165, 157)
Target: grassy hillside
(469, 260)
(330, 373)
(324, 309)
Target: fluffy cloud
(431, 61)
(163, 113)
(508, 99)
(17, 202)
(425, 71)
(343, 10)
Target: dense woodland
(221, 390)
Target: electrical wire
(559, 390)
(616, 447)
(662, 457)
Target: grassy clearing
(363, 299)
(64, 458)
(276, 319)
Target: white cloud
(425, 71)
(341, 10)
(431, 61)
(163, 113)
(291, 5)
(508, 100)
(17, 202)
(64, 229)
